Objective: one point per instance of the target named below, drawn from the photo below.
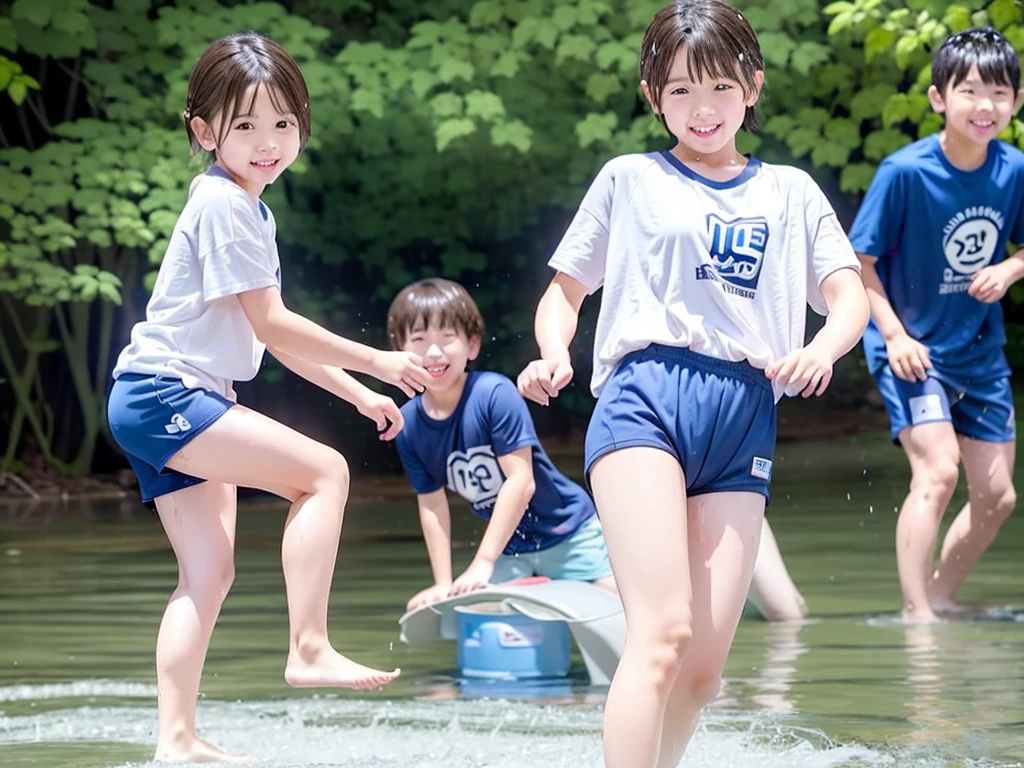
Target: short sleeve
(1017, 233)
(582, 252)
(419, 477)
(233, 252)
(511, 426)
(830, 248)
(878, 225)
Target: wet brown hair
(227, 70)
(719, 42)
(433, 302)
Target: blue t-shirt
(932, 226)
(462, 451)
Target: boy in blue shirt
(931, 235)
(470, 431)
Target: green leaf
(507, 65)
(579, 47)
(515, 134)
(870, 102)
(812, 117)
(932, 123)
(879, 40)
(780, 126)
(906, 46)
(450, 130)
(596, 127)
(446, 105)
(109, 292)
(830, 154)
(34, 12)
(100, 237)
(365, 100)
(1004, 13)
(857, 177)
(602, 85)
(807, 55)
(8, 40)
(840, 7)
(17, 90)
(484, 105)
(564, 17)
(803, 140)
(776, 47)
(880, 144)
(454, 69)
(843, 133)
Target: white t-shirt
(723, 268)
(195, 328)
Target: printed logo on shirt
(178, 424)
(475, 475)
(969, 241)
(761, 468)
(737, 252)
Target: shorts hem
(635, 443)
(185, 440)
(761, 490)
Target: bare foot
(920, 617)
(328, 668)
(197, 751)
(948, 606)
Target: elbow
(529, 488)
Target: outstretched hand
(382, 411)
(403, 369)
(806, 371)
(543, 379)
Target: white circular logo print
(972, 245)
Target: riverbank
(42, 483)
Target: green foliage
(449, 137)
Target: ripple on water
(329, 731)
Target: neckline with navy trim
(751, 169)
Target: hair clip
(187, 114)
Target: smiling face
(257, 145)
(703, 113)
(976, 111)
(446, 353)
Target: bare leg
(991, 499)
(607, 583)
(248, 449)
(641, 496)
(200, 524)
(724, 530)
(772, 590)
(934, 458)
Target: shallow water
(82, 588)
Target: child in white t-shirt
(708, 260)
(215, 308)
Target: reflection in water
(82, 588)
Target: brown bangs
(433, 302)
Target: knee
(938, 480)
(704, 687)
(665, 647)
(1004, 503)
(210, 584)
(333, 474)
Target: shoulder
(627, 167)
(911, 159)
(216, 198)
(1010, 155)
(491, 384)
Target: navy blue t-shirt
(461, 453)
(932, 226)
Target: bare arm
(848, 313)
(436, 522)
(376, 407)
(881, 310)
(279, 328)
(554, 326)
(513, 498)
(908, 358)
